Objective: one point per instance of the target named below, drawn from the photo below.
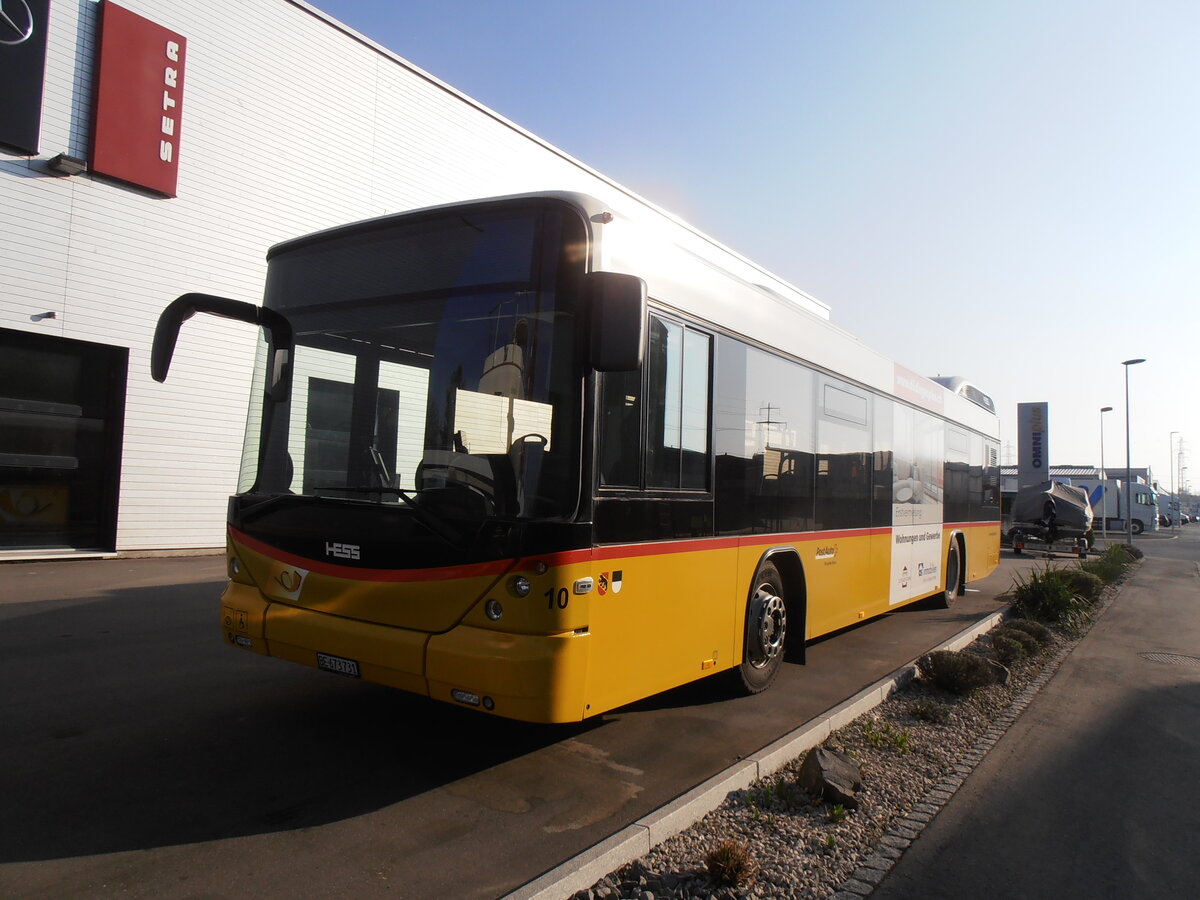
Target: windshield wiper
(435, 525)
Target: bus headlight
(493, 610)
(521, 586)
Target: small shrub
(1047, 596)
(729, 863)
(1007, 650)
(1029, 644)
(1133, 552)
(837, 812)
(1036, 630)
(764, 795)
(881, 737)
(929, 710)
(955, 671)
(1117, 553)
(1086, 584)
(1103, 569)
(1112, 564)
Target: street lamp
(1103, 480)
(1128, 470)
(1174, 496)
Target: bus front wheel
(766, 631)
(953, 574)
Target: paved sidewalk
(1095, 791)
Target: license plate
(337, 664)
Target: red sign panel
(139, 101)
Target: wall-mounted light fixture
(67, 165)
(49, 314)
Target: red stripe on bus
(567, 557)
(694, 545)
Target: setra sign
(139, 101)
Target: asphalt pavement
(1095, 790)
(1092, 793)
(141, 757)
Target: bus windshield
(432, 368)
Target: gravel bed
(800, 847)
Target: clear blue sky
(1008, 191)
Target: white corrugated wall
(290, 124)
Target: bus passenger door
(661, 612)
(665, 588)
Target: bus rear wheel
(953, 574)
(766, 631)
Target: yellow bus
(543, 456)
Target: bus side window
(678, 366)
(844, 460)
(670, 430)
(620, 429)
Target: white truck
(1169, 509)
(1108, 504)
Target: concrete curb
(636, 840)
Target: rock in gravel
(830, 774)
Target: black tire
(766, 632)
(1138, 527)
(946, 598)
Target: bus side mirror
(166, 333)
(617, 319)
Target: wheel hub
(771, 627)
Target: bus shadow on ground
(129, 725)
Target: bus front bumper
(533, 678)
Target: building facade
(274, 121)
